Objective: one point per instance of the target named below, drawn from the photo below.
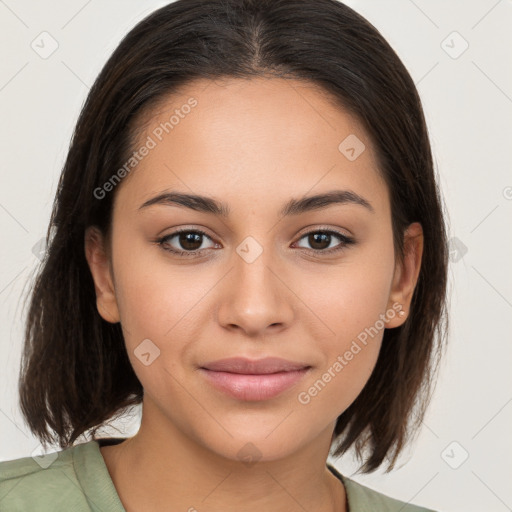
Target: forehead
(239, 139)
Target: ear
(99, 264)
(406, 274)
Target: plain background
(462, 459)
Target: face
(314, 285)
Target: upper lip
(254, 367)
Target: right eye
(190, 241)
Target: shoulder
(42, 483)
(362, 498)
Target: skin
(253, 144)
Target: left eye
(322, 240)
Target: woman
(247, 239)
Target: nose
(256, 296)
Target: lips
(249, 380)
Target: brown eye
(188, 242)
(323, 241)
(319, 240)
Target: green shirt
(77, 479)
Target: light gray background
(468, 104)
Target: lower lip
(253, 387)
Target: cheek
(157, 316)
(348, 298)
(153, 295)
(349, 354)
(351, 303)
(335, 387)
(165, 304)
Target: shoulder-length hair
(75, 373)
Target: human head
(322, 43)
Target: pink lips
(262, 379)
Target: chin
(251, 445)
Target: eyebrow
(292, 207)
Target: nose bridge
(253, 263)
(255, 298)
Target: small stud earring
(401, 313)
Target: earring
(401, 313)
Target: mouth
(250, 380)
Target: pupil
(187, 240)
(322, 238)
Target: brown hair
(75, 373)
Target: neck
(164, 468)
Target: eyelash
(345, 241)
